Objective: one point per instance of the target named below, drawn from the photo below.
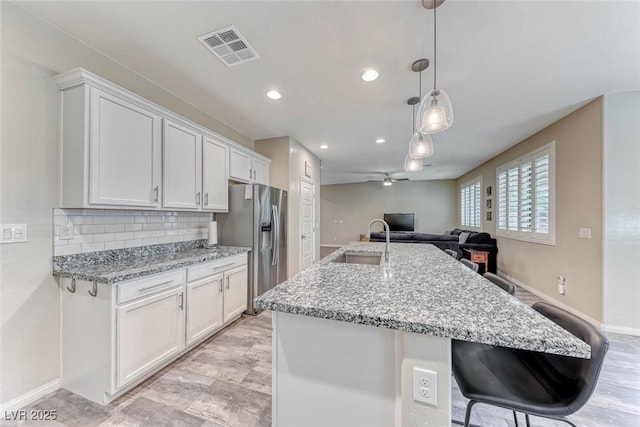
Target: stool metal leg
(515, 418)
(467, 415)
(526, 417)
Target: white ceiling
(509, 67)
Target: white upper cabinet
(122, 151)
(260, 171)
(245, 167)
(215, 175)
(182, 161)
(125, 153)
(240, 165)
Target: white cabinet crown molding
(80, 76)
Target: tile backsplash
(104, 229)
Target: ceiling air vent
(229, 46)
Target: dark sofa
(475, 241)
(479, 241)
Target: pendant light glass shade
(435, 113)
(421, 146)
(412, 165)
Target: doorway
(307, 221)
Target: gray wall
(346, 209)
(578, 203)
(32, 52)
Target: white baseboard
(30, 397)
(555, 302)
(625, 330)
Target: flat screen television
(399, 221)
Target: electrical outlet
(66, 231)
(561, 285)
(425, 386)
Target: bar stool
(540, 384)
(506, 285)
(472, 265)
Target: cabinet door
(215, 157)
(235, 292)
(260, 172)
(125, 155)
(182, 159)
(204, 307)
(240, 165)
(149, 331)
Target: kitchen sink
(351, 258)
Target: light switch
(13, 233)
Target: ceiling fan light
(412, 165)
(421, 146)
(435, 113)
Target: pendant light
(414, 163)
(420, 146)
(435, 113)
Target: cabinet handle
(181, 300)
(220, 288)
(206, 199)
(198, 198)
(72, 289)
(227, 283)
(94, 291)
(155, 286)
(155, 191)
(250, 172)
(254, 175)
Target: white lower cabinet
(204, 299)
(235, 293)
(150, 331)
(113, 340)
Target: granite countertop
(118, 265)
(425, 291)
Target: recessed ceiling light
(274, 94)
(324, 146)
(380, 141)
(369, 75)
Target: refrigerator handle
(276, 232)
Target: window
(525, 197)
(470, 203)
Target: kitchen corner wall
(578, 199)
(621, 212)
(32, 52)
(288, 159)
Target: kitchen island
(347, 337)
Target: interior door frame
(309, 181)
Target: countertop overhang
(119, 265)
(425, 291)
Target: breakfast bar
(349, 332)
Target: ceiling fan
(387, 179)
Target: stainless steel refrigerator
(257, 218)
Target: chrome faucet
(387, 247)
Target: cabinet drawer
(218, 266)
(149, 285)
